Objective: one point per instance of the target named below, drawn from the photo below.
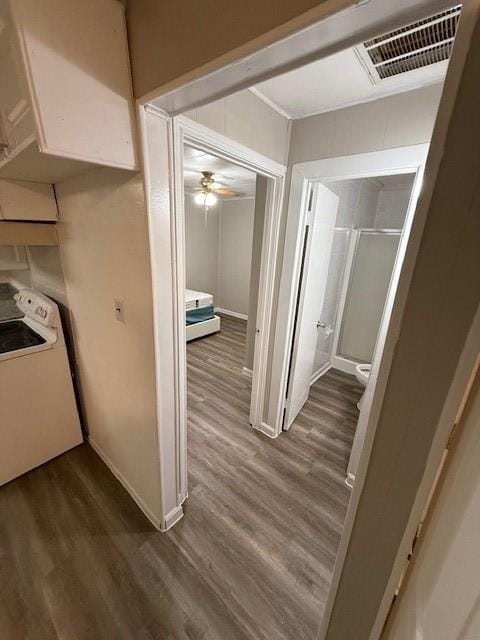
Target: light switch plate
(119, 311)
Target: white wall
(104, 250)
(46, 273)
(219, 254)
(235, 255)
(441, 599)
(246, 119)
(397, 121)
(201, 247)
(392, 207)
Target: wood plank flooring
(252, 558)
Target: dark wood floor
(252, 558)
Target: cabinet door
(76, 56)
(21, 200)
(16, 118)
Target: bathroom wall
(392, 204)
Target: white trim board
(233, 314)
(327, 28)
(270, 103)
(163, 141)
(320, 372)
(127, 486)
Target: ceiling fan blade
(224, 191)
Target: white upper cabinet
(66, 100)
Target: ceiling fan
(209, 189)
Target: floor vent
(414, 46)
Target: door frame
(408, 159)
(166, 221)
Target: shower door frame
(335, 359)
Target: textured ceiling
(236, 178)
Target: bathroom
(354, 225)
(368, 226)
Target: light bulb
(205, 199)
(210, 199)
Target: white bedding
(195, 299)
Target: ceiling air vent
(414, 46)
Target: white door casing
(320, 231)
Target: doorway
(165, 178)
(340, 196)
(349, 260)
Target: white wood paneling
(246, 119)
(397, 121)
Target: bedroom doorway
(167, 234)
(224, 217)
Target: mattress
(196, 299)
(200, 314)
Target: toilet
(362, 374)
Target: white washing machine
(38, 413)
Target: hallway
(252, 558)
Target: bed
(200, 315)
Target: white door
(318, 248)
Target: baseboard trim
(342, 364)
(126, 485)
(172, 518)
(234, 314)
(267, 430)
(319, 373)
(247, 372)
(349, 480)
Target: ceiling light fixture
(205, 197)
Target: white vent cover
(414, 46)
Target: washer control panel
(37, 306)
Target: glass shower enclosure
(368, 271)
